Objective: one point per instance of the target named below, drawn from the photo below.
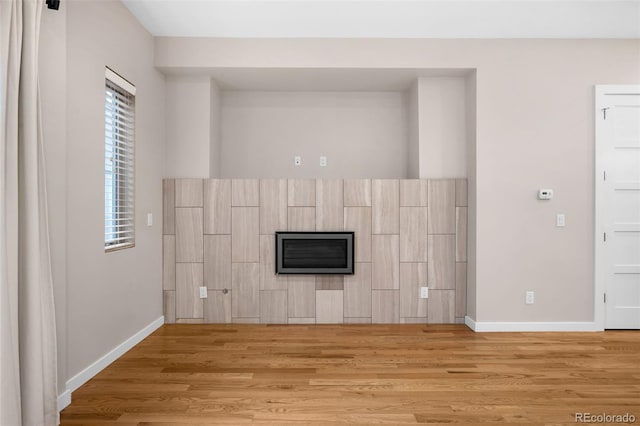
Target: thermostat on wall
(545, 194)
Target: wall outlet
(297, 160)
(424, 292)
(545, 194)
(323, 161)
(530, 298)
(203, 292)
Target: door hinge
(605, 237)
(604, 112)
(605, 297)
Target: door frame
(600, 267)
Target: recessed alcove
(368, 123)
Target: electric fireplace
(314, 253)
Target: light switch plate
(560, 220)
(530, 298)
(203, 292)
(323, 161)
(149, 219)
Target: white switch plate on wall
(530, 297)
(424, 292)
(203, 292)
(149, 219)
(323, 161)
(560, 220)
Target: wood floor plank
(186, 374)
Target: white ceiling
(389, 18)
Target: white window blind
(119, 171)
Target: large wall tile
(358, 220)
(413, 320)
(329, 307)
(386, 262)
(357, 292)
(188, 192)
(217, 261)
(414, 192)
(442, 206)
(357, 192)
(189, 279)
(301, 296)
(225, 240)
(310, 320)
(245, 240)
(412, 277)
(273, 307)
(352, 320)
(461, 289)
(190, 321)
(385, 306)
(301, 192)
(461, 193)
(329, 282)
(189, 235)
(441, 308)
(169, 306)
(302, 219)
(169, 262)
(245, 292)
(386, 205)
(413, 234)
(245, 192)
(217, 307)
(329, 205)
(273, 206)
(268, 278)
(461, 234)
(217, 206)
(442, 262)
(245, 320)
(168, 206)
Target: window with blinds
(119, 162)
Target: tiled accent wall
(219, 233)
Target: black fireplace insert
(314, 253)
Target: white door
(618, 204)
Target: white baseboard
(85, 375)
(64, 399)
(470, 323)
(485, 326)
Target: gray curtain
(27, 322)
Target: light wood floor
(394, 374)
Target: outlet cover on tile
(424, 292)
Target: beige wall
(363, 134)
(188, 131)
(534, 129)
(215, 128)
(413, 129)
(442, 127)
(110, 296)
(470, 116)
